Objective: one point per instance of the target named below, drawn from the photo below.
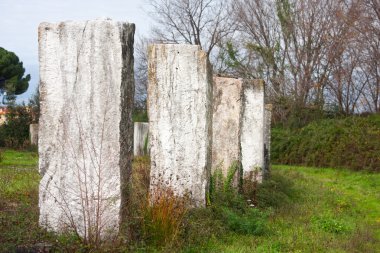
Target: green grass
(19, 201)
(313, 210)
(306, 210)
(13, 158)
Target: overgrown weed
(164, 218)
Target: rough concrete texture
(226, 123)
(252, 130)
(33, 134)
(86, 128)
(180, 118)
(267, 137)
(140, 136)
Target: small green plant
(330, 224)
(251, 221)
(219, 183)
(232, 207)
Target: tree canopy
(12, 78)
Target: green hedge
(352, 142)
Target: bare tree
(198, 22)
(370, 37)
(141, 72)
(293, 45)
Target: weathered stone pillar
(267, 138)
(252, 130)
(180, 118)
(33, 134)
(140, 138)
(226, 123)
(238, 126)
(86, 128)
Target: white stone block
(180, 118)
(238, 123)
(226, 123)
(252, 131)
(86, 128)
(267, 137)
(33, 134)
(140, 138)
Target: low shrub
(351, 142)
(15, 132)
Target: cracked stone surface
(238, 125)
(180, 118)
(86, 129)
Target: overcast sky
(19, 20)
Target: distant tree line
(316, 57)
(14, 133)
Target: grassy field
(308, 210)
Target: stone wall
(180, 118)
(86, 129)
(140, 136)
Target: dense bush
(352, 142)
(15, 132)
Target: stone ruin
(180, 118)
(267, 138)
(86, 130)
(238, 126)
(140, 138)
(33, 134)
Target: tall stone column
(226, 123)
(252, 130)
(180, 118)
(86, 128)
(267, 137)
(238, 126)
(33, 134)
(140, 136)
